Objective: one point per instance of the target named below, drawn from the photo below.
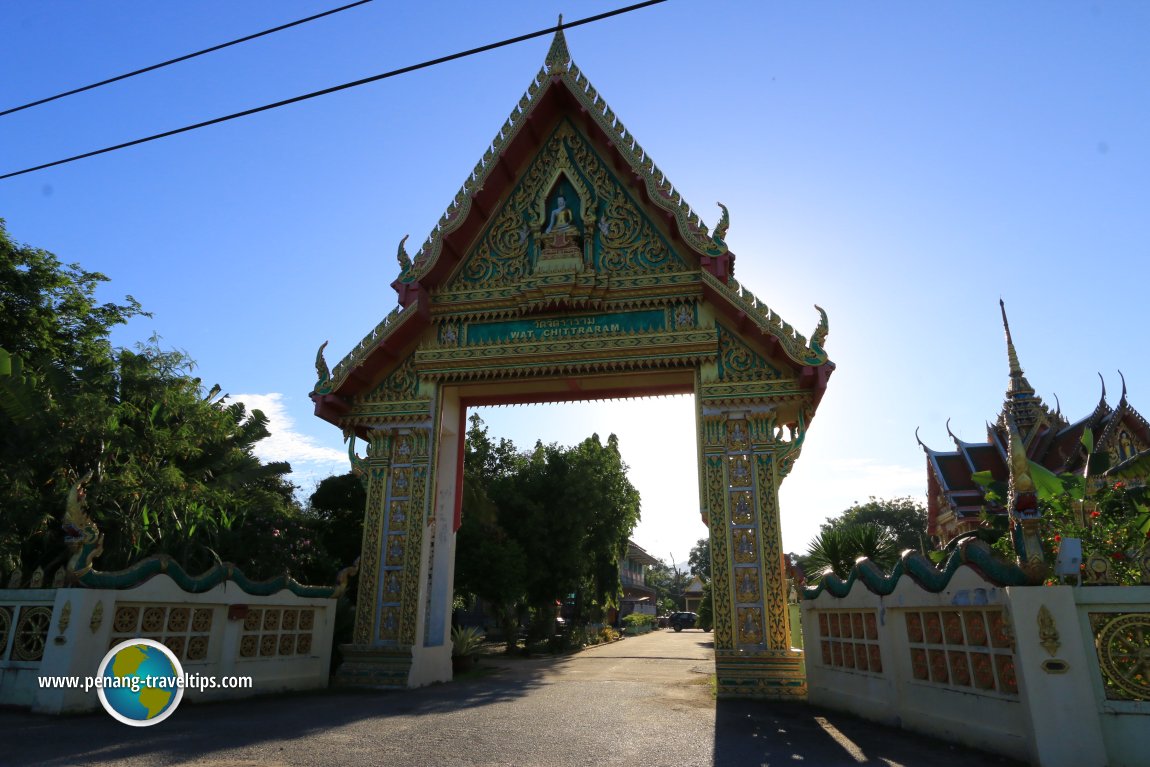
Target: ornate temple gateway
(568, 268)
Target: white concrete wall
(1124, 723)
(283, 642)
(900, 689)
(975, 664)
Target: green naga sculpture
(81, 535)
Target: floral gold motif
(65, 617)
(1047, 631)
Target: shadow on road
(758, 732)
(270, 722)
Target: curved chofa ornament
(402, 257)
(322, 372)
(718, 244)
(819, 337)
(358, 465)
(81, 535)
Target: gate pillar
(745, 451)
(403, 613)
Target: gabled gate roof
(560, 94)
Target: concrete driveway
(642, 701)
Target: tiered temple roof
(955, 501)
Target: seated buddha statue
(561, 217)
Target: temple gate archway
(568, 268)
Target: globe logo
(139, 682)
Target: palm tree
(838, 548)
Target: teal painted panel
(557, 328)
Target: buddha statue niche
(561, 217)
(561, 243)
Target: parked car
(680, 621)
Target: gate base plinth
(770, 675)
(388, 667)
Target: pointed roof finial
(558, 56)
(1012, 356)
(1018, 382)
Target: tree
(706, 620)
(173, 467)
(902, 520)
(565, 514)
(489, 563)
(335, 511)
(699, 560)
(662, 578)
(837, 549)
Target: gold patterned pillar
(744, 456)
(389, 583)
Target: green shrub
(465, 641)
(608, 634)
(638, 620)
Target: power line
(345, 86)
(181, 58)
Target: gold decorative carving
(31, 633)
(176, 644)
(740, 471)
(153, 620)
(1123, 643)
(742, 505)
(746, 549)
(271, 620)
(5, 627)
(65, 617)
(401, 384)
(750, 625)
(738, 363)
(1047, 631)
(202, 619)
(747, 584)
(198, 648)
(393, 554)
(178, 619)
(249, 644)
(253, 620)
(126, 620)
(97, 617)
(737, 435)
(1098, 572)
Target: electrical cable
(345, 86)
(181, 58)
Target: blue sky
(902, 164)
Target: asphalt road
(642, 701)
